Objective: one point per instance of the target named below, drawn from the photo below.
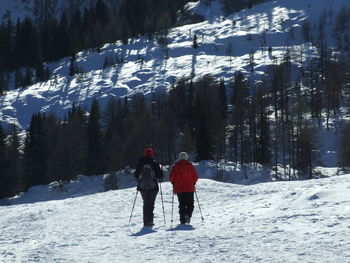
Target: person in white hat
(183, 176)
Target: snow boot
(149, 224)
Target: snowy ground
(300, 221)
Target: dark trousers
(186, 205)
(148, 198)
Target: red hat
(149, 152)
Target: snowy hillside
(147, 66)
(303, 221)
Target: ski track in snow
(300, 221)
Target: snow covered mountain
(300, 221)
(239, 41)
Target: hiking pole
(200, 210)
(161, 196)
(172, 210)
(133, 206)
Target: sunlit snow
(300, 221)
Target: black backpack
(147, 178)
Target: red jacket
(183, 176)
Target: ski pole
(200, 210)
(172, 210)
(161, 196)
(133, 206)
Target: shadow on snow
(182, 227)
(144, 231)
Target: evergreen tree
(27, 47)
(51, 133)
(167, 128)
(209, 118)
(4, 176)
(15, 164)
(72, 145)
(179, 104)
(6, 46)
(102, 13)
(223, 99)
(250, 4)
(61, 38)
(306, 27)
(95, 162)
(19, 79)
(40, 73)
(140, 127)
(263, 142)
(222, 122)
(240, 104)
(344, 149)
(3, 83)
(28, 78)
(76, 30)
(204, 142)
(190, 107)
(49, 30)
(187, 140)
(306, 145)
(35, 153)
(114, 124)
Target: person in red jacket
(183, 176)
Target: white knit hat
(183, 156)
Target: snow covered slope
(146, 68)
(303, 221)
